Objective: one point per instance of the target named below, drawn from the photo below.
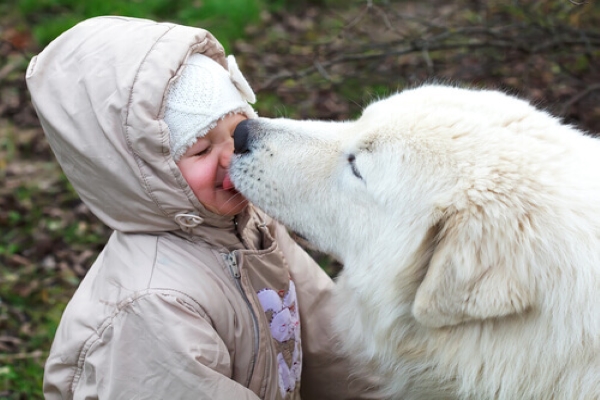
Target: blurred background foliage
(319, 59)
(227, 19)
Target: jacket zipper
(231, 261)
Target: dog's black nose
(240, 137)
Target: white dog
(468, 223)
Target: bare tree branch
(412, 34)
(578, 97)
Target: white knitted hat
(203, 94)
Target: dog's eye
(351, 160)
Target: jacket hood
(99, 90)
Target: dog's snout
(240, 137)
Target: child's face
(205, 168)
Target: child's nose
(225, 154)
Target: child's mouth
(227, 184)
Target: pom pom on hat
(204, 94)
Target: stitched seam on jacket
(138, 160)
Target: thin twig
(21, 356)
(319, 67)
(10, 67)
(576, 98)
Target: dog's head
(438, 176)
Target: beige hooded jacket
(181, 303)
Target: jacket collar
(243, 231)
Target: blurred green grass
(226, 19)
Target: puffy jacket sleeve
(157, 346)
(326, 374)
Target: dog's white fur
(470, 238)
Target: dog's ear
(478, 270)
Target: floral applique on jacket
(281, 309)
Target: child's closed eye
(202, 152)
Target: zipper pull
(231, 261)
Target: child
(197, 295)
